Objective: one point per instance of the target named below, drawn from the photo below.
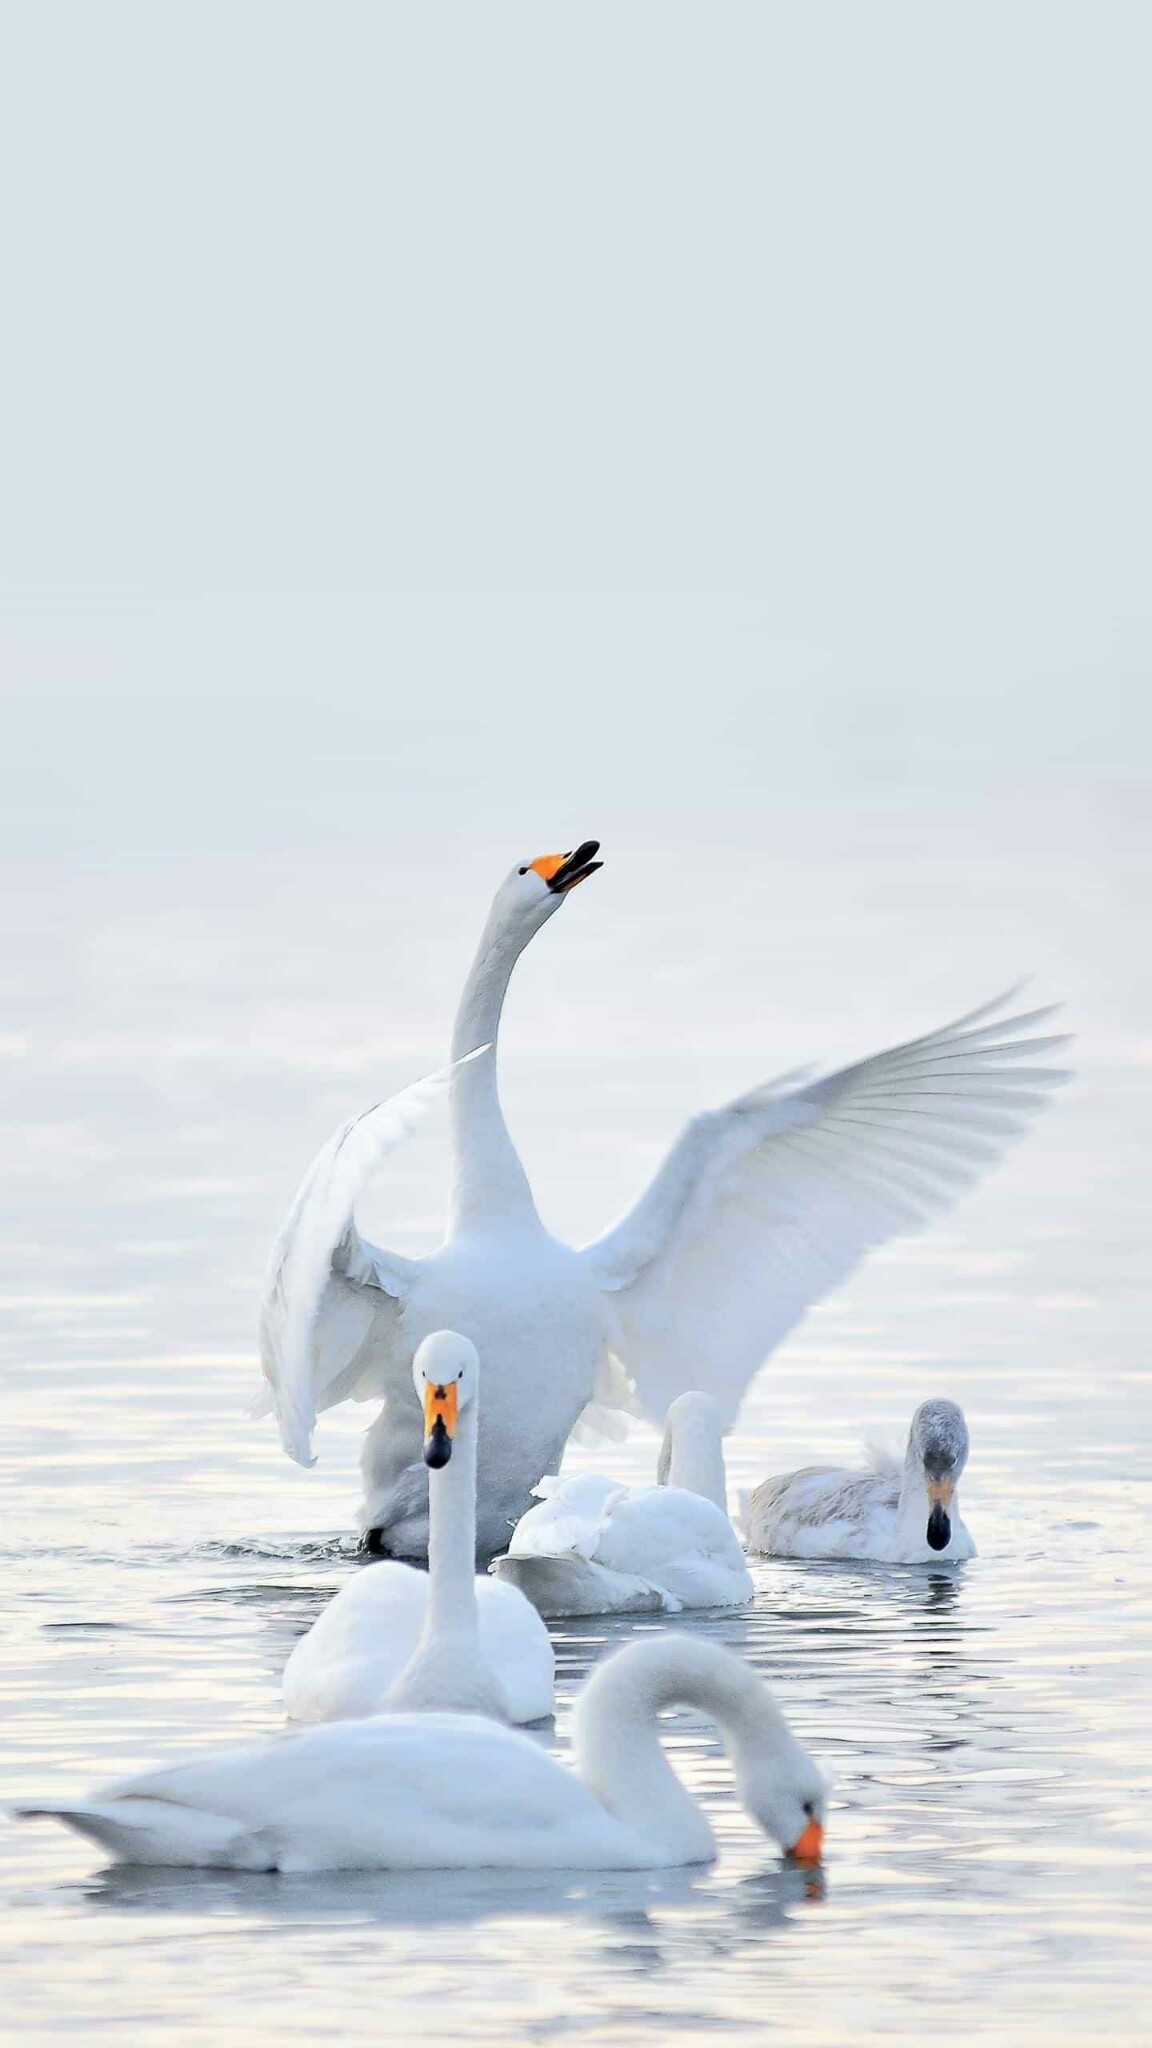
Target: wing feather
(762, 1207)
(327, 1295)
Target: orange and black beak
(939, 1530)
(810, 1847)
(562, 871)
(439, 1423)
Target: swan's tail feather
(159, 1831)
(883, 1460)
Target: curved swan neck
(617, 1740)
(692, 1453)
(486, 1170)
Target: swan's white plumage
(651, 1548)
(440, 1791)
(593, 1546)
(764, 1206)
(319, 1328)
(351, 1657)
(398, 1792)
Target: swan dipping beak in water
(455, 1792)
(893, 1514)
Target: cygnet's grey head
(938, 1445)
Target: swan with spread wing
(760, 1209)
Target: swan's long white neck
(447, 1666)
(692, 1453)
(452, 1536)
(487, 1177)
(617, 1740)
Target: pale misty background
(436, 435)
(430, 436)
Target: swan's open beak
(810, 1847)
(939, 1531)
(439, 1423)
(562, 871)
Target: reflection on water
(987, 1868)
(982, 1840)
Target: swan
(593, 1546)
(892, 1514)
(454, 1791)
(759, 1209)
(401, 1638)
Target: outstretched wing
(763, 1206)
(328, 1297)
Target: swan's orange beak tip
(810, 1847)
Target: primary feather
(320, 1326)
(765, 1205)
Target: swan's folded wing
(651, 1528)
(569, 1519)
(762, 1207)
(328, 1296)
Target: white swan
(893, 1514)
(397, 1637)
(593, 1546)
(760, 1208)
(440, 1791)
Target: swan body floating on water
(593, 1546)
(893, 1514)
(396, 1637)
(454, 1791)
(760, 1208)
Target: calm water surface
(174, 1050)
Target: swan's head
(938, 1446)
(786, 1792)
(446, 1376)
(536, 888)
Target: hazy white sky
(768, 384)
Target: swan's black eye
(809, 1809)
(523, 871)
